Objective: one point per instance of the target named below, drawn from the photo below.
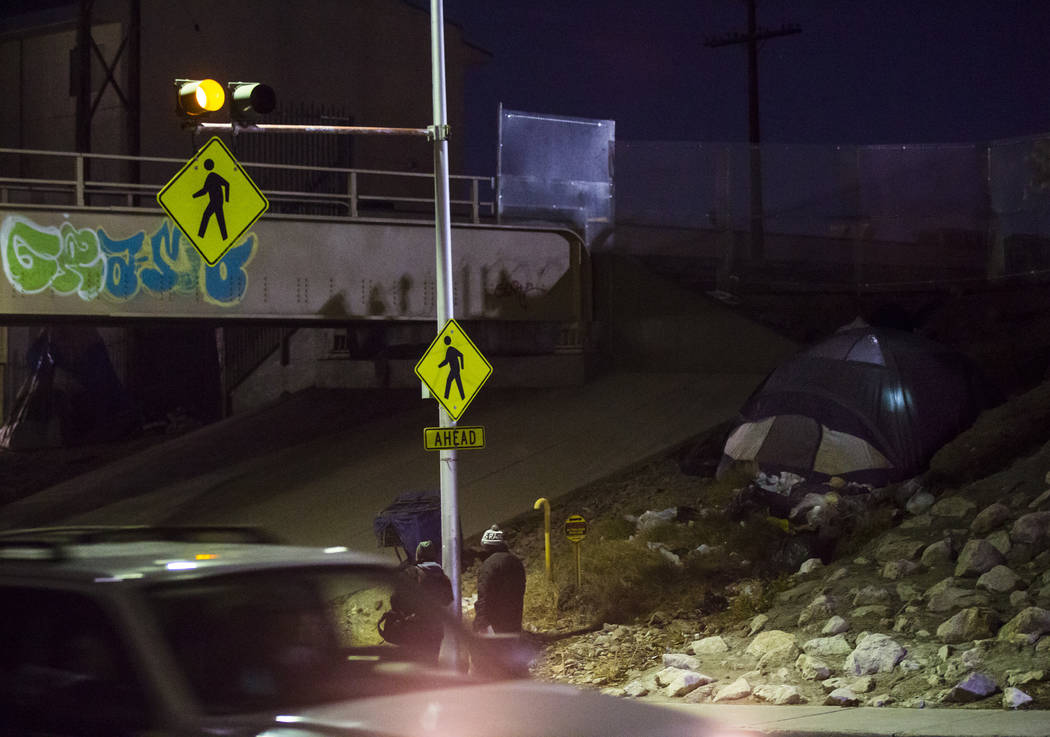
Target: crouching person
(416, 620)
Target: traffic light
(249, 100)
(197, 97)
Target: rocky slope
(948, 607)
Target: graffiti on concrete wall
(91, 264)
(513, 281)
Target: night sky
(861, 71)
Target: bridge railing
(71, 179)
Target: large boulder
(938, 553)
(780, 695)
(968, 625)
(709, 646)
(874, 654)
(1030, 624)
(1031, 529)
(991, 517)
(774, 646)
(823, 647)
(974, 687)
(895, 547)
(680, 681)
(872, 595)
(811, 668)
(953, 507)
(738, 689)
(822, 607)
(999, 580)
(681, 660)
(946, 596)
(978, 556)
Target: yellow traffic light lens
(200, 96)
(214, 95)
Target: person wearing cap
(501, 586)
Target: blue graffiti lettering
(122, 281)
(227, 281)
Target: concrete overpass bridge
(83, 240)
(79, 248)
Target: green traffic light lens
(249, 99)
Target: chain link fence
(867, 216)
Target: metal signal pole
(450, 533)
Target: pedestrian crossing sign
(212, 200)
(453, 369)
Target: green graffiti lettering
(66, 259)
(81, 266)
(29, 254)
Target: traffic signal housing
(250, 100)
(197, 97)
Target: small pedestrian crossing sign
(453, 369)
(212, 200)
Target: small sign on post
(575, 531)
(449, 438)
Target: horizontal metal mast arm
(291, 128)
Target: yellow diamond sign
(453, 369)
(212, 200)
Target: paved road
(327, 487)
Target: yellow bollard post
(542, 501)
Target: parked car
(224, 631)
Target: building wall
(36, 78)
(370, 57)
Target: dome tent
(871, 405)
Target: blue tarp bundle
(414, 516)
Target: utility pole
(753, 35)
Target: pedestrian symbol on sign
(218, 191)
(454, 361)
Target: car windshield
(279, 639)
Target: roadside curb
(837, 721)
